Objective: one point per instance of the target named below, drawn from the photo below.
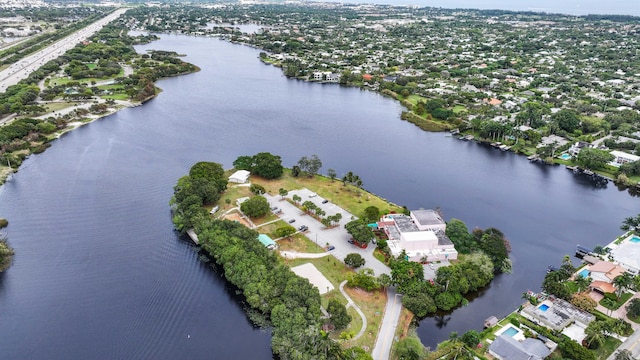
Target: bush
(515, 322)
(3, 223)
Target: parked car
(292, 221)
(350, 241)
(325, 201)
(303, 228)
(330, 247)
(431, 266)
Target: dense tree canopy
(263, 164)
(255, 207)
(359, 230)
(594, 159)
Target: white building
(623, 158)
(239, 177)
(421, 235)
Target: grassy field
(372, 305)
(349, 197)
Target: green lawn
(458, 109)
(610, 345)
(623, 299)
(116, 96)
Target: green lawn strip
(51, 107)
(610, 345)
(116, 96)
(623, 299)
(298, 243)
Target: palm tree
(609, 304)
(622, 283)
(595, 333)
(583, 282)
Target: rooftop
(427, 217)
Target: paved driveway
(318, 233)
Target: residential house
(505, 347)
(239, 177)
(622, 157)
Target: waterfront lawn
(623, 299)
(349, 197)
(51, 107)
(458, 109)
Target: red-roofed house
(367, 77)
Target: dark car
(303, 228)
(350, 241)
(292, 221)
(325, 201)
(330, 247)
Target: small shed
(239, 177)
(267, 241)
(491, 321)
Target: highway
(21, 70)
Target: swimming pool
(635, 239)
(543, 307)
(565, 156)
(584, 273)
(510, 331)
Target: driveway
(318, 233)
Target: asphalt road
(21, 70)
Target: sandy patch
(236, 217)
(315, 277)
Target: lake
(99, 272)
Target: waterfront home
(602, 274)
(505, 347)
(421, 235)
(627, 253)
(556, 314)
(622, 157)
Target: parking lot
(336, 236)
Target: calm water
(100, 274)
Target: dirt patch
(405, 322)
(236, 217)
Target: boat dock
(194, 237)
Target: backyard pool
(565, 156)
(584, 273)
(510, 331)
(543, 307)
(635, 239)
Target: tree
(356, 353)
(630, 223)
(371, 213)
(633, 309)
(255, 207)
(410, 348)
(257, 189)
(595, 334)
(406, 274)
(283, 192)
(420, 304)
(267, 165)
(331, 174)
(471, 338)
(295, 170)
(354, 260)
(594, 159)
(566, 119)
(310, 166)
(6, 254)
(210, 171)
(384, 280)
(359, 230)
(622, 282)
(624, 354)
(285, 231)
(458, 233)
(296, 198)
(338, 314)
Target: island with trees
(289, 303)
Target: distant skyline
(571, 7)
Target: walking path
(350, 303)
(297, 255)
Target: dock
(194, 237)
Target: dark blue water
(100, 274)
